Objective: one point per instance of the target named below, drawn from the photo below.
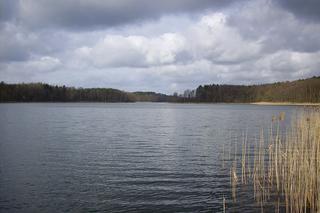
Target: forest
(39, 92)
(304, 90)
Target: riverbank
(285, 104)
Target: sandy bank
(286, 103)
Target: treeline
(306, 90)
(39, 92)
(154, 97)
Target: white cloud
(256, 42)
(44, 64)
(213, 39)
(133, 51)
(209, 38)
(34, 70)
(288, 65)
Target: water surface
(128, 157)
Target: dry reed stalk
(291, 174)
(234, 180)
(233, 173)
(243, 160)
(224, 204)
(230, 147)
(223, 158)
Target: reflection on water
(139, 157)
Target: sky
(163, 46)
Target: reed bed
(283, 165)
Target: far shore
(286, 103)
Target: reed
(224, 204)
(285, 168)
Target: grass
(283, 167)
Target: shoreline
(285, 104)
(227, 103)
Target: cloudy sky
(162, 46)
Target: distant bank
(285, 104)
(299, 92)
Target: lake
(122, 157)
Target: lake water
(128, 157)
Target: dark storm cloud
(7, 9)
(19, 44)
(307, 9)
(276, 27)
(81, 14)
